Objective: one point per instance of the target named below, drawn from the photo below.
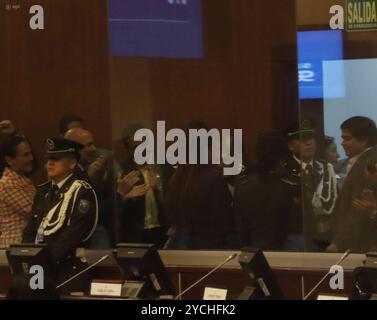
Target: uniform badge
(84, 206)
(50, 144)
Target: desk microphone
(230, 258)
(83, 271)
(344, 256)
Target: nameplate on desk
(214, 294)
(329, 297)
(103, 288)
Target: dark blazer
(104, 187)
(353, 230)
(262, 206)
(76, 227)
(211, 221)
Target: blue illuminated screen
(156, 28)
(315, 50)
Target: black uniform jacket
(78, 225)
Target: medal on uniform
(40, 236)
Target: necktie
(53, 191)
(308, 180)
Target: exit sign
(361, 15)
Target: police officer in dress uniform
(314, 190)
(65, 209)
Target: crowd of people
(298, 196)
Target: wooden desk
(297, 273)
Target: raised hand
(125, 183)
(97, 168)
(138, 191)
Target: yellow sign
(361, 15)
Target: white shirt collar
(61, 183)
(353, 160)
(303, 164)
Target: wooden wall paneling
(4, 59)
(61, 69)
(233, 90)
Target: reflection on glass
(304, 187)
(337, 72)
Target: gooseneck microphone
(230, 258)
(344, 256)
(83, 271)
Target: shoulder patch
(84, 206)
(85, 184)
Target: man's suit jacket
(263, 205)
(354, 230)
(205, 222)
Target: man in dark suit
(65, 210)
(354, 230)
(100, 169)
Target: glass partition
(210, 87)
(337, 68)
(202, 124)
(178, 67)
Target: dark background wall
(314, 15)
(61, 69)
(247, 79)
